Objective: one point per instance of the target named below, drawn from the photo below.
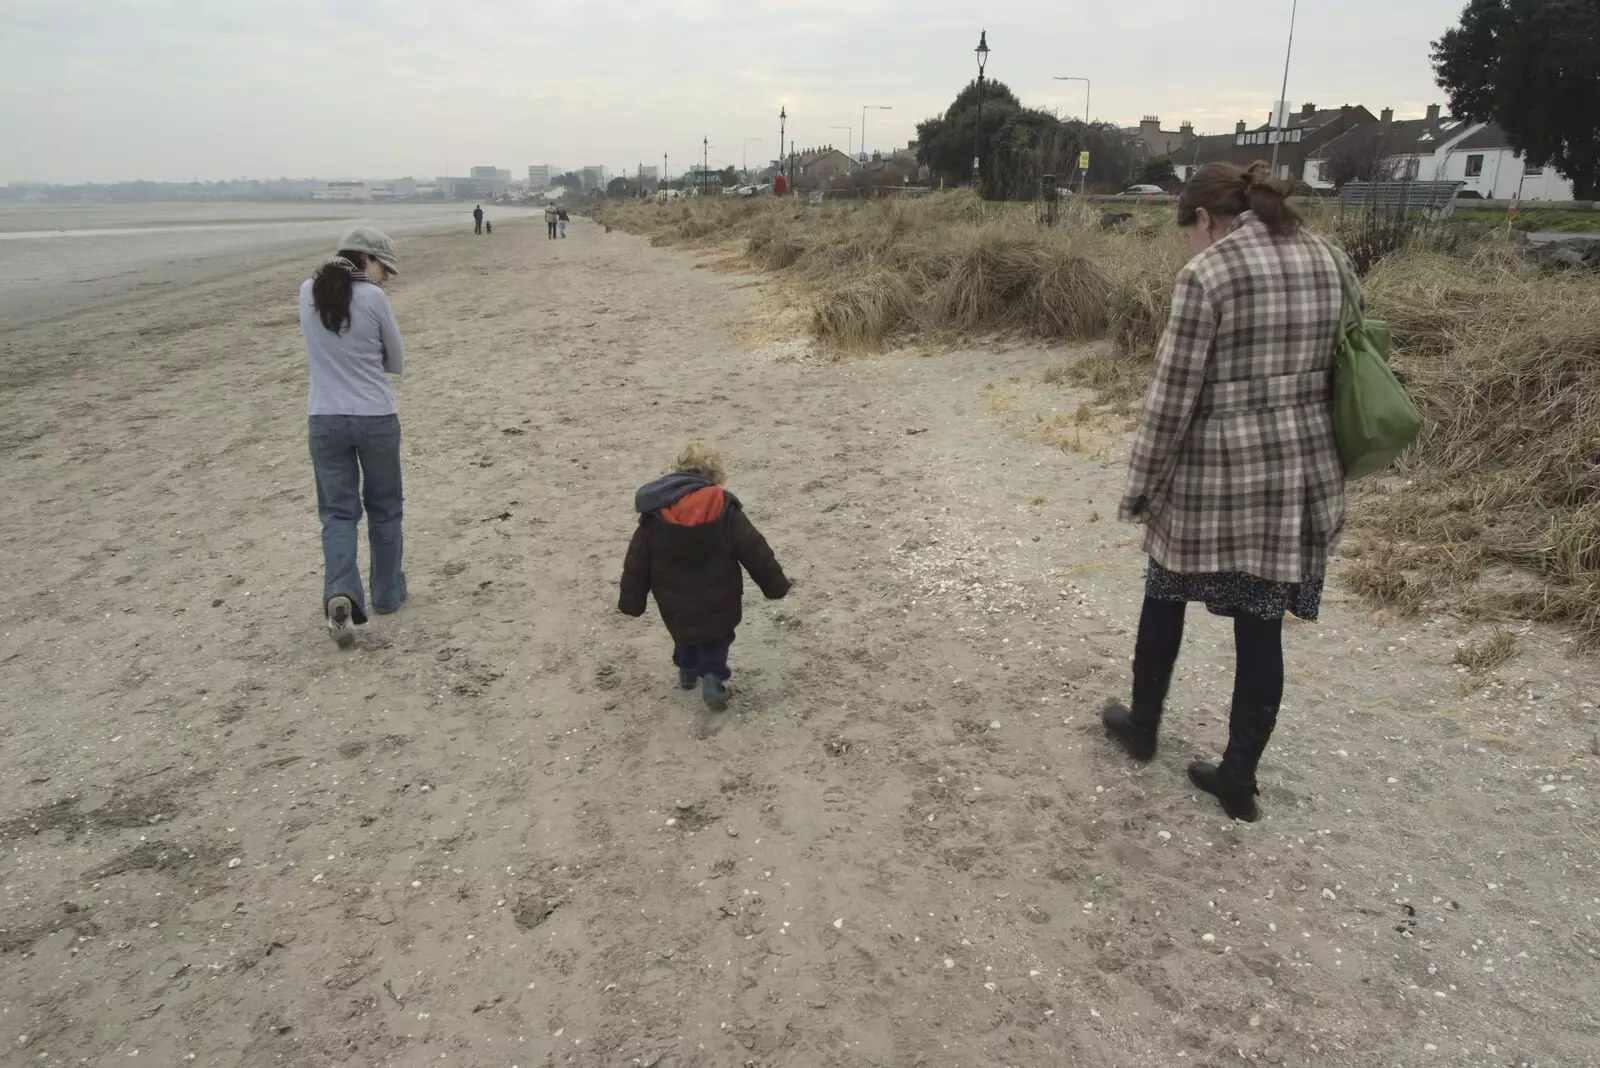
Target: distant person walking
(352, 344)
(552, 217)
(561, 217)
(1235, 473)
(477, 219)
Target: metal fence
(1432, 200)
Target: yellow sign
(1083, 161)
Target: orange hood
(695, 509)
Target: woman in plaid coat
(1234, 472)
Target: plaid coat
(1234, 466)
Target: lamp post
(850, 137)
(663, 170)
(864, 109)
(1083, 179)
(1086, 88)
(705, 163)
(1283, 93)
(982, 52)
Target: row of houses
(1311, 142)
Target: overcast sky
(96, 90)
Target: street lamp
(1083, 179)
(850, 137)
(864, 109)
(977, 146)
(1086, 88)
(783, 122)
(705, 163)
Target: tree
(1359, 155)
(1016, 142)
(1158, 170)
(948, 143)
(1533, 66)
(571, 180)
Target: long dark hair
(332, 287)
(1226, 190)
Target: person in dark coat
(477, 219)
(692, 541)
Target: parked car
(1143, 191)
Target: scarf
(349, 268)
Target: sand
(496, 834)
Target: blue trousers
(356, 459)
(705, 658)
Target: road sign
(1083, 161)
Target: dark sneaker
(341, 624)
(715, 693)
(1238, 799)
(1138, 739)
(687, 678)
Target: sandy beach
(496, 834)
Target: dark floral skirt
(1232, 593)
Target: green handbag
(1373, 418)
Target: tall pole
(705, 162)
(1083, 177)
(1283, 93)
(982, 52)
(864, 109)
(783, 121)
(663, 170)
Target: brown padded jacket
(692, 557)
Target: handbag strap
(1348, 306)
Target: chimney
(1308, 110)
(1239, 129)
(1433, 112)
(1186, 133)
(1386, 117)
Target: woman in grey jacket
(352, 345)
(1235, 473)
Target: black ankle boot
(1136, 733)
(1238, 798)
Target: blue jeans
(357, 460)
(705, 658)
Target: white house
(1485, 160)
(1418, 146)
(1443, 149)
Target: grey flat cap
(374, 243)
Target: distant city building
(490, 182)
(539, 177)
(399, 189)
(594, 177)
(468, 188)
(343, 191)
(649, 175)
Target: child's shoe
(687, 678)
(715, 693)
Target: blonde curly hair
(699, 458)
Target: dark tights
(1257, 677)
